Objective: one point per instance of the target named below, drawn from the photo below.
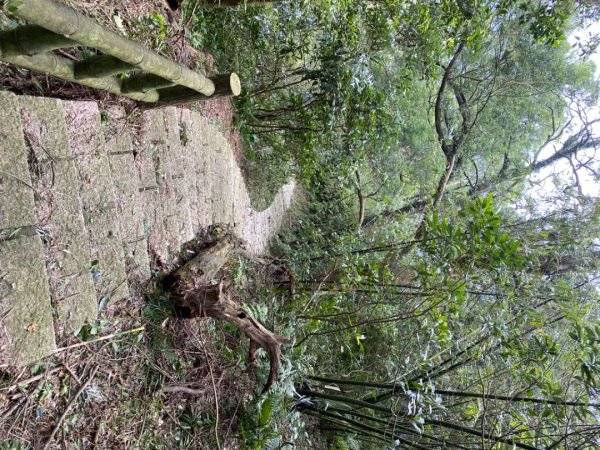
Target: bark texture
(199, 289)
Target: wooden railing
(151, 78)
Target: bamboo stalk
(100, 66)
(64, 20)
(31, 39)
(394, 387)
(64, 68)
(346, 400)
(225, 86)
(145, 82)
(234, 3)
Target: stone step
(181, 176)
(132, 225)
(16, 192)
(200, 151)
(187, 157)
(257, 227)
(241, 199)
(100, 209)
(159, 200)
(220, 173)
(25, 302)
(59, 210)
(26, 324)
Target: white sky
(553, 179)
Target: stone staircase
(86, 197)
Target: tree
(512, 339)
(461, 317)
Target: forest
(437, 278)
(443, 285)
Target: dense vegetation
(439, 296)
(439, 273)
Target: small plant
(159, 30)
(184, 136)
(13, 444)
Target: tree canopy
(435, 306)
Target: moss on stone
(25, 298)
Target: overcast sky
(554, 178)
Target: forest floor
(112, 205)
(134, 376)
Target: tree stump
(200, 289)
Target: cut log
(225, 86)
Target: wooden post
(145, 82)
(100, 66)
(65, 68)
(225, 86)
(59, 26)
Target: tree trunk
(196, 290)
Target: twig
(67, 55)
(184, 390)
(97, 433)
(72, 373)
(103, 338)
(5, 314)
(212, 378)
(39, 143)
(18, 179)
(11, 410)
(30, 380)
(64, 414)
(331, 272)
(189, 19)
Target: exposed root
(196, 290)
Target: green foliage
(155, 27)
(268, 418)
(480, 242)
(13, 444)
(341, 95)
(157, 311)
(587, 338)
